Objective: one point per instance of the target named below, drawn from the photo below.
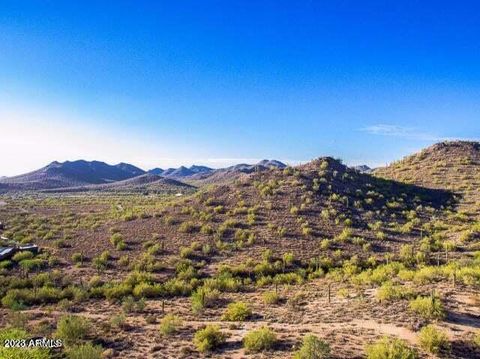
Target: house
(6, 252)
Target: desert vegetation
(313, 261)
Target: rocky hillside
(452, 166)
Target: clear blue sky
(162, 83)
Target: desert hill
(298, 207)
(71, 173)
(146, 183)
(453, 166)
(231, 173)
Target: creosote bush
(432, 339)
(72, 329)
(85, 351)
(313, 348)
(209, 338)
(170, 324)
(259, 340)
(390, 348)
(271, 297)
(237, 312)
(204, 297)
(428, 308)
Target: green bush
(204, 297)
(209, 338)
(428, 307)
(85, 351)
(259, 340)
(20, 256)
(116, 238)
(237, 312)
(186, 252)
(313, 348)
(146, 290)
(271, 297)
(77, 257)
(170, 324)
(130, 305)
(433, 340)
(188, 227)
(389, 291)
(118, 321)
(118, 291)
(32, 264)
(390, 348)
(72, 329)
(476, 339)
(19, 353)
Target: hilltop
(453, 166)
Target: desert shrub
(72, 329)
(116, 238)
(77, 257)
(207, 249)
(123, 261)
(146, 290)
(130, 305)
(271, 297)
(118, 321)
(85, 351)
(237, 312)
(288, 278)
(428, 274)
(432, 339)
(32, 264)
(428, 307)
(390, 291)
(100, 263)
(188, 227)
(259, 340)
(313, 348)
(209, 338)
(390, 348)
(170, 324)
(20, 256)
(19, 353)
(296, 300)
(118, 291)
(204, 297)
(186, 252)
(176, 286)
(121, 246)
(407, 255)
(225, 282)
(5, 264)
(476, 339)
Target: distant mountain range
(95, 175)
(71, 173)
(363, 169)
